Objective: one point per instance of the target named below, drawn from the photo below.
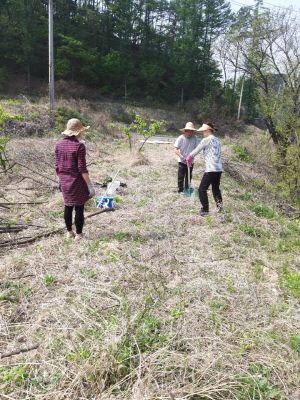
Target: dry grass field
(159, 303)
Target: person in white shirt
(211, 147)
(183, 146)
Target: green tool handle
(189, 177)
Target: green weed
(295, 343)
(112, 256)
(138, 238)
(121, 236)
(177, 312)
(134, 254)
(219, 303)
(118, 200)
(143, 336)
(81, 353)
(258, 183)
(88, 273)
(55, 214)
(294, 227)
(257, 386)
(292, 281)
(137, 223)
(94, 245)
(49, 280)
(249, 230)
(15, 375)
(10, 291)
(286, 246)
(245, 196)
(142, 203)
(258, 269)
(208, 221)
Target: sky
(237, 4)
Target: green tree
(73, 60)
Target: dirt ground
(159, 303)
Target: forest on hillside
(194, 53)
(164, 50)
(157, 48)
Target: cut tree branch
(37, 173)
(13, 353)
(7, 169)
(22, 241)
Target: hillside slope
(159, 303)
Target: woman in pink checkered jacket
(75, 183)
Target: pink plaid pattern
(70, 164)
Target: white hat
(189, 126)
(74, 127)
(205, 127)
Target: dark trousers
(213, 179)
(183, 176)
(79, 218)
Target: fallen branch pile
(25, 240)
(12, 228)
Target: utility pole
(51, 57)
(241, 96)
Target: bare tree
(266, 48)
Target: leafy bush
(288, 177)
(6, 117)
(63, 114)
(4, 140)
(241, 153)
(34, 115)
(141, 127)
(262, 210)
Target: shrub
(63, 114)
(262, 210)
(241, 153)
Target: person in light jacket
(211, 147)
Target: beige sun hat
(189, 126)
(205, 127)
(74, 127)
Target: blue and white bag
(104, 202)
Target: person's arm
(86, 177)
(199, 148)
(177, 146)
(56, 160)
(177, 152)
(83, 170)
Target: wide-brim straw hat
(205, 127)
(74, 127)
(189, 126)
